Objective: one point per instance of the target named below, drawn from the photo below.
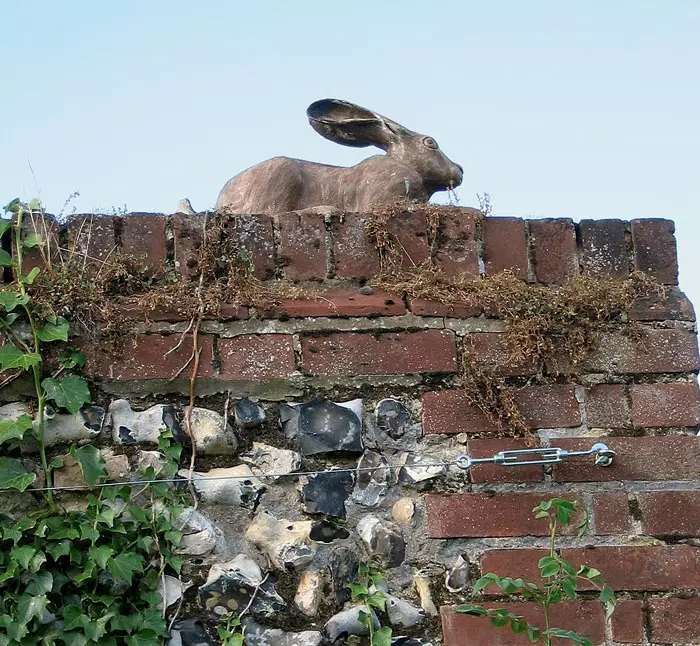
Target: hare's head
(350, 125)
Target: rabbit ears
(351, 125)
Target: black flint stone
(324, 531)
(324, 427)
(326, 493)
(248, 414)
(344, 566)
(192, 633)
(393, 417)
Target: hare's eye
(429, 142)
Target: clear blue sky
(583, 109)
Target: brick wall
(638, 393)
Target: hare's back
(273, 186)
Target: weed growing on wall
(559, 582)
(367, 591)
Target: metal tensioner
(548, 455)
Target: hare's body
(414, 167)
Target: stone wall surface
(363, 387)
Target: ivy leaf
(12, 358)
(23, 555)
(73, 617)
(5, 225)
(31, 276)
(56, 330)
(14, 429)
(101, 555)
(30, 607)
(32, 240)
(13, 475)
(10, 300)
(468, 609)
(124, 565)
(142, 638)
(69, 393)
(91, 463)
(382, 637)
(6, 259)
(74, 639)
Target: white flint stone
(210, 435)
(257, 635)
(144, 427)
(227, 486)
(348, 622)
(171, 590)
(147, 459)
(200, 536)
(265, 459)
(286, 543)
(402, 613)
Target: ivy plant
(559, 582)
(367, 590)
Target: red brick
(665, 405)
(457, 251)
(554, 246)
(655, 249)
(628, 621)
(675, 306)
(603, 251)
(145, 357)
(383, 353)
(672, 457)
(659, 350)
(643, 567)
(495, 473)
(478, 515)
(409, 232)
(611, 513)
(639, 567)
(91, 236)
(356, 256)
(450, 411)
(505, 246)
(187, 234)
(670, 513)
(252, 357)
(607, 407)
(254, 235)
(302, 247)
(675, 621)
(548, 406)
(422, 307)
(493, 353)
(583, 617)
(348, 302)
(143, 238)
(130, 308)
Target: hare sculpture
(414, 167)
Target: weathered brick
(145, 356)
(611, 513)
(672, 457)
(252, 357)
(450, 411)
(457, 251)
(409, 232)
(493, 353)
(665, 405)
(583, 617)
(674, 306)
(603, 251)
(422, 307)
(472, 515)
(494, 473)
(302, 247)
(91, 236)
(655, 249)
(607, 407)
(628, 621)
(133, 309)
(254, 235)
(355, 353)
(143, 238)
(505, 246)
(47, 229)
(638, 567)
(187, 237)
(659, 350)
(548, 406)
(347, 302)
(670, 513)
(675, 621)
(554, 246)
(642, 567)
(356, 256)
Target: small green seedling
(366, 590)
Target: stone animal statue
(414, 167)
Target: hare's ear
(350, 125)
